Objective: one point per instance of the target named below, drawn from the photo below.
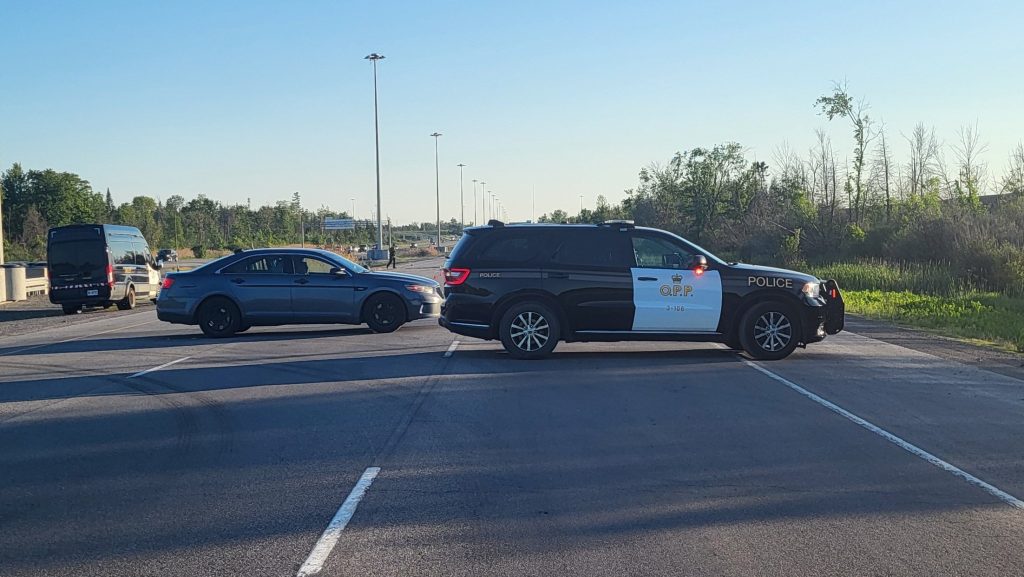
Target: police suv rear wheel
(769, 331)
(529, 330)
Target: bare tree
(883, 170)
(971, 170)
(924, 157)
(1013, 180)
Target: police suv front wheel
(529, 330)
(769, 331)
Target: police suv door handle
(647, 278)
(302, 280)
(238, 280)
(558, 275)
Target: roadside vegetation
(934, 296)
(916, 230)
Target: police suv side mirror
(698, 261)
(338, 271)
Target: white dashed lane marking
(163, 366)
(318, 556)
(451, 349)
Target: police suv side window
(593, 249)
(510, 248)
(658, 252)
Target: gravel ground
(37, 313)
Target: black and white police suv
(532, 285)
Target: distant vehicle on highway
(293, 286)
(533, 285)
(99, 265)
(167, 255)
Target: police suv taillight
(455, 276)
(110, 275)
(168, 281)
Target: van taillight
(455, 276)
(110, 275)
(168, 281)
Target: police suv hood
(401, 277)
(753, 269)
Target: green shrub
(199, 251)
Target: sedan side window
(270, 264)
(308, 265)
(654, 252)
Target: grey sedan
(291, 286)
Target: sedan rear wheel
(219, 317)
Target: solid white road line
(451, 349)
(315, 562)
(163, 366)
(906, 446)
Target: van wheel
(384, 313)
(128, 302)
(529, 330)
(72, 309)
(219, 317)
(769, 331)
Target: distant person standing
(391, 258)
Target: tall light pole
(462, 199)
(483, 201)
(376, 138)
(1, 229)
(352, 214)
(475, 221)
(437, 185)
(492, 202)
(581, 205)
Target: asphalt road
(607, 459)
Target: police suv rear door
(668, 296)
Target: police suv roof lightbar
(495, 223)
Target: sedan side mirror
(698, 262)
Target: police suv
(532, 285)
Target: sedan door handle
(238, 280)
(302, 280)
(647, 278)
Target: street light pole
(581, 205)
(352, 214)
(475, 221)
(462, 199)
(376, 138)
(483, 201)
(437, 185)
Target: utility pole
(483, 200)
(462, 199)
(376, 137)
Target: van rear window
(85, 259)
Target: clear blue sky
(254, 99)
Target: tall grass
(931, 278)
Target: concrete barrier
(3, 284)
(36, 280)
(16, 289)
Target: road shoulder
(982, 357)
